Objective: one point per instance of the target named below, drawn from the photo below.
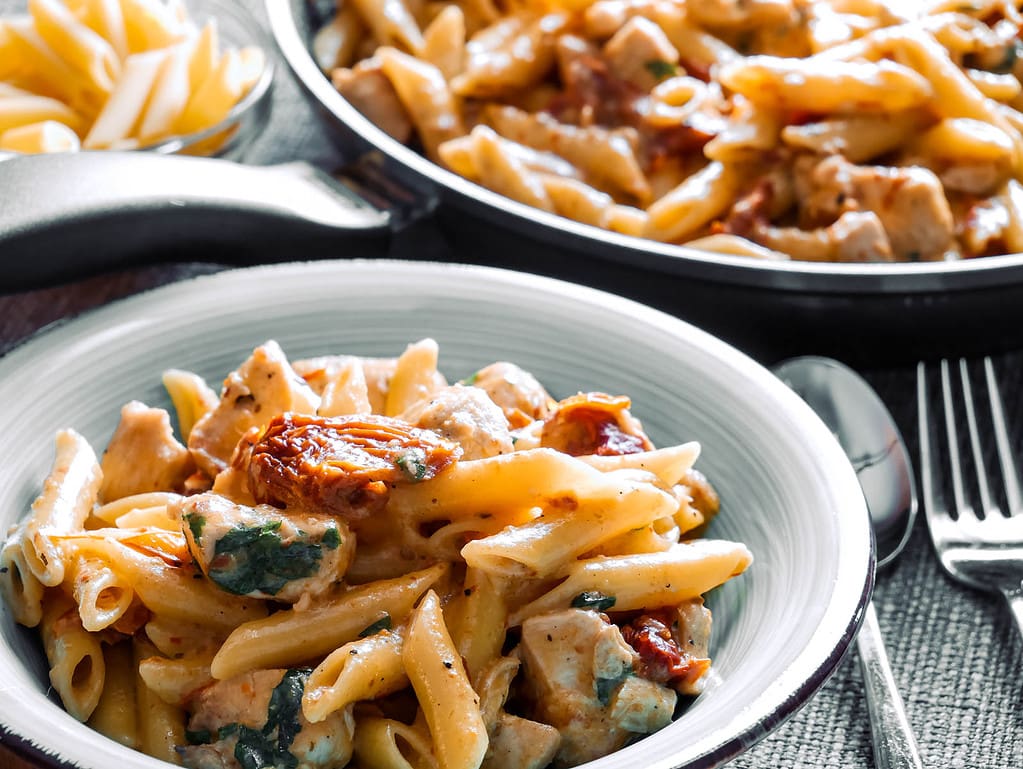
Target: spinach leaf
(591, 599)
(195, 525)
(271, 745)
(251, 558)
(607, 686)
(384, 623)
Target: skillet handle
(67, 216)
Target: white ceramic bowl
(786, 488)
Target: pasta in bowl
(775, 129)
(429, 511)
(347, 539)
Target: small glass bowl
(232, 136)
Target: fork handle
(894, 744)
(1014, 597)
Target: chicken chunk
(263, 552)
(467, 416)
(517, 392)
(255, 719)
(264, 386)
(143, 455)
(368, 89)
(909, 202)
(577, 669)
(632, 50)
(856, 236)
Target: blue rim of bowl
(731, 748)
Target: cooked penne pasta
(67, 499)
(348, 541)
(713, 125)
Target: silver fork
(979, 537)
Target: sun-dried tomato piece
(661, 659)
(342, 465)
(594, 423)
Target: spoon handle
(894, 744)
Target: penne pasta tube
(390, 744)
(116, 714)
(477, 619)
(670, 463)
(540, 548)
(363, 669)
(19, 111)
(166, 590)
(176, 680)
(103, 596)
(111, 512)
(645, 580)
(496, 485)
(45, 136)
(448, 702)
(67, 498)
(20, 588)
(391, 22)
(121, 113)
(77, 668)
(150, 25)
(291, 636)
(161, 726)
(106, 18)
(415, 377)
(426, 97)
(167, 100)
(705, 195)
(78, 45)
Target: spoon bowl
(864, 427)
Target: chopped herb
(660, 68)
(331, 538)
(196, 523)
(607, 686)
(1013, 53)
(285, 706)
(198, 736)
(592, 599)
(253, 558)
(413, 464)
(471, 379)
(384, 623)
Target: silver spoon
(865, 429)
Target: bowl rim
(852, 586)
(796, 276)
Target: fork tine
(1005, 458)
(986, 503)
(952, 441)
(934, 503)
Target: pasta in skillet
(348, 559)
(824, 130)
